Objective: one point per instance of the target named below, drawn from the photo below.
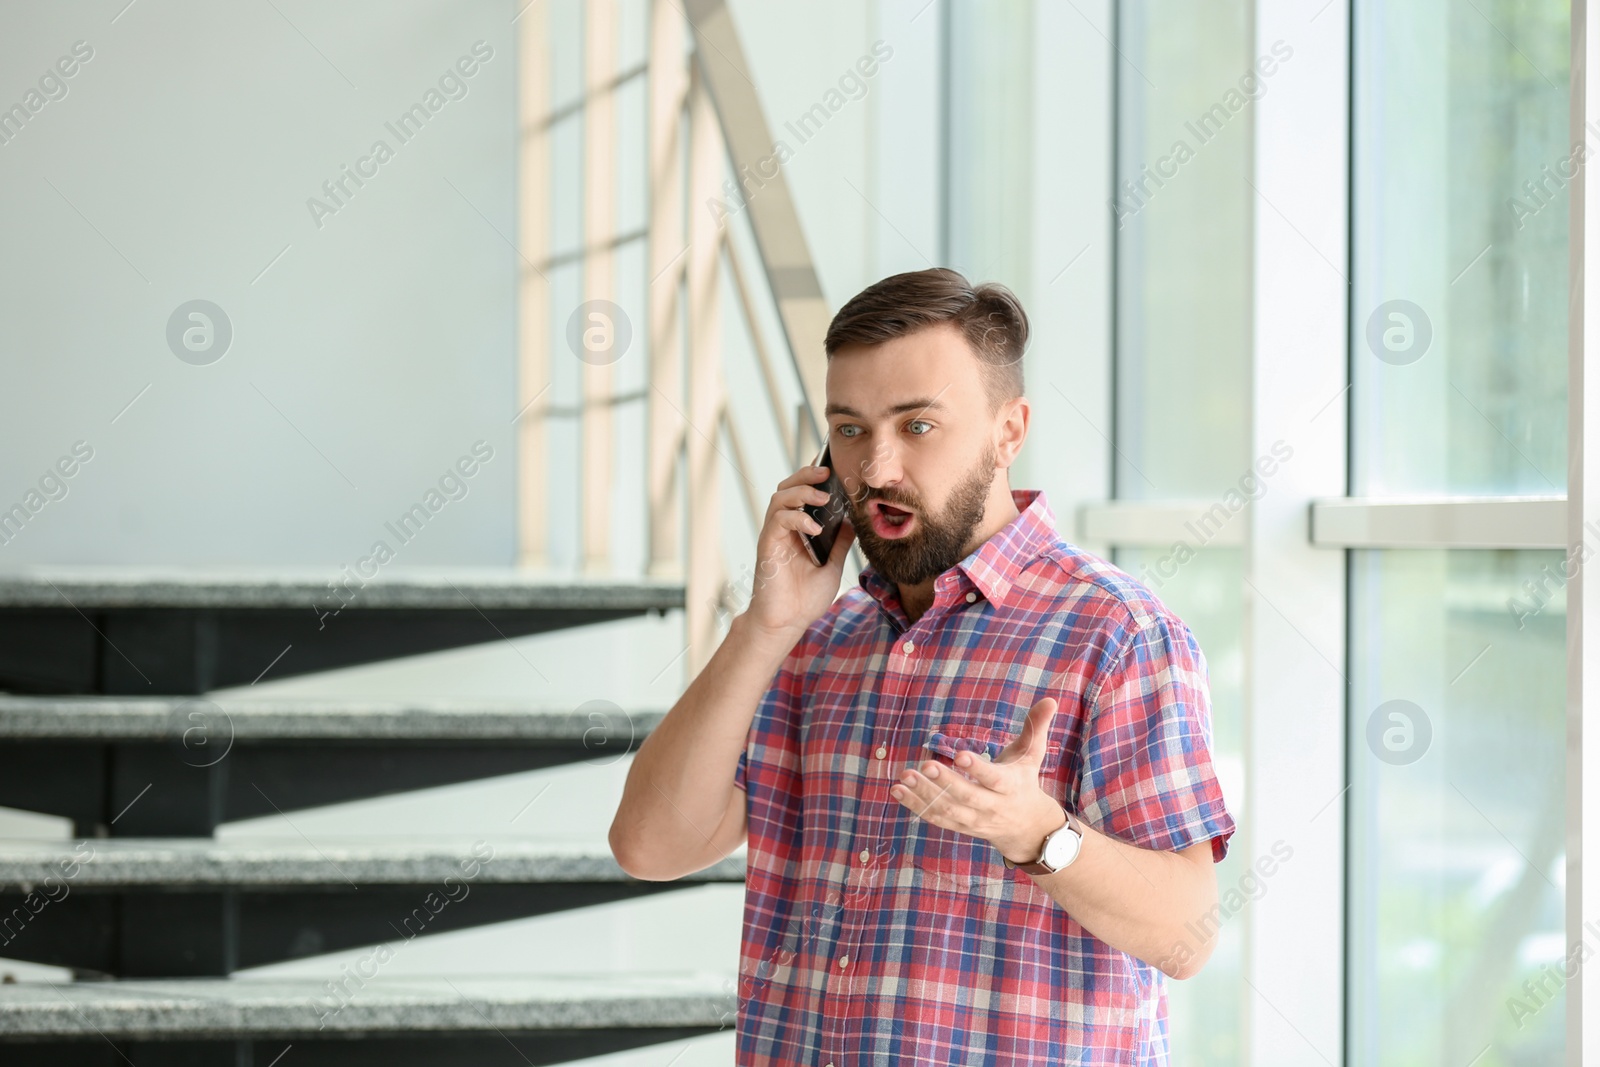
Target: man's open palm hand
(1000, 801)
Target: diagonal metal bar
(752, 322)
(785, 255)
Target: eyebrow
(920, 404)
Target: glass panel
(1459, 310)
(1203, 1011)
(1182, 210)
(990, 226)
(1182, 213)
(1456, 755)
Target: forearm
(1154, 905)
(680, 784)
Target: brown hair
(989, 316)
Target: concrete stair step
(170, 908)
(90, 718)
(181, 863)
(181, 766)
(147, 630)
(102, 588)
(403, 1022)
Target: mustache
(864, 499)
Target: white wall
(364, 360)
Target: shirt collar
(993, 566)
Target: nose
(882, 468)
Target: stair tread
(302, 587)
(203, 862)
(280, 1006)
(155, 718)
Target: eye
(920, 422)
(842, 427)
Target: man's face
(909, 426)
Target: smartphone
(829, 516)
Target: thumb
(1031, 743)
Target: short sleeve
(771, 753)
(1147, 771)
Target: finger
(983, 771)
(792, 498)
(931, 784)
(1032, 742)
(928, 802)
(798, 520)
(804, 476)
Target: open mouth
(889, 520)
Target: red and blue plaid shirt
(874, 937)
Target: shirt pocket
(952, 859)
(949, 738)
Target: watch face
(1061, 849)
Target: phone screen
(829, 516)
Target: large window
(1457, 740)
(1458, 362)
(1460, 220)
(1182, 214)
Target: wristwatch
(1060, 848)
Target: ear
(1011, 431)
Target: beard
(939, 541)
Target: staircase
(111, 712)
(153, 913)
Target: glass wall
(1182, 216)
(1458, 362)
(1458, 313)
(1203, 1012)
(1457, 735)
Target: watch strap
(1038, 866)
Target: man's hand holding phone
(791, 591)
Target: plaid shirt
(874, 937)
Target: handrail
(769, 376)
(703, 114)
(785, 254)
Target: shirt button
(910, 647)
(844, 961)
(866, 855)
(882, 752)
(971, 597)
(986, 755)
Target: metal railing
(703, 118)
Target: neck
(998, 513)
